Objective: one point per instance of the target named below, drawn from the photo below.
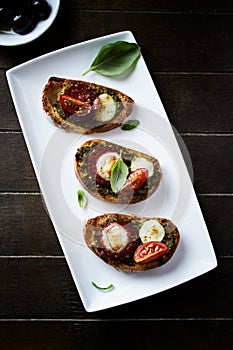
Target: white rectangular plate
(52, 151)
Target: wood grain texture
(197, 103)
(217, 211)
(193, 102)
(42, 288)
(49, 335)
(157, 5)
(16, 171)
(25, 226)
(204, 152)
(180, 42)
(27, 230)
(188, 48)
(211, 158)
(8, 118)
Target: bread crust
(56, 86)
(92, 231)
(84, 177)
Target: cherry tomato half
(135, 180)
(149, 251)
(73, 105)
(82, 92)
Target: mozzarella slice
(151, 230)
(108, 108)
(141, 162)
(115, 237)
(105, 163)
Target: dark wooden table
(188, 47)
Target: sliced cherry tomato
(73, 105)
(82, 92)
(135, 180)
(149, 251)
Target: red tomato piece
(73, 105)
(138, 177)
(135, 180)
(82, 92)
(149, 251)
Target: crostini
(115, 173)
(131, 243)
(85, 107)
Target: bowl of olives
(22, 21)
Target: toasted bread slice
(85, 107)
(115, 238)
(93, 162)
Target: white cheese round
(141, 162)
(151, 230)
(108, 108)
(105, 163)
(115, 237)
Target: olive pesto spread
(80, 104)
(86, 159)
(131, 226)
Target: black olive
(23, 24)
(41, 9)
(23, 15)
(6, 15)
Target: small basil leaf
(115, 58)
(82, 198)
(131, 124)
(118, 176)
(111, 286)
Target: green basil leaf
(118, 176)
(115, 58)
(111, 286)
(131, 124)
(82, 198)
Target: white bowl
(9, 38)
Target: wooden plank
(35, 335)
(194, 102)
(181, 42)
(135, 334)
(25, 227)
(137, 5)
(157, 5)
(197, 102)
(217, 212)
(39, 305)
(8, 118)
(35, 288)
(43, 288)
(27, 230)
(16, 171)
(206, 153)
